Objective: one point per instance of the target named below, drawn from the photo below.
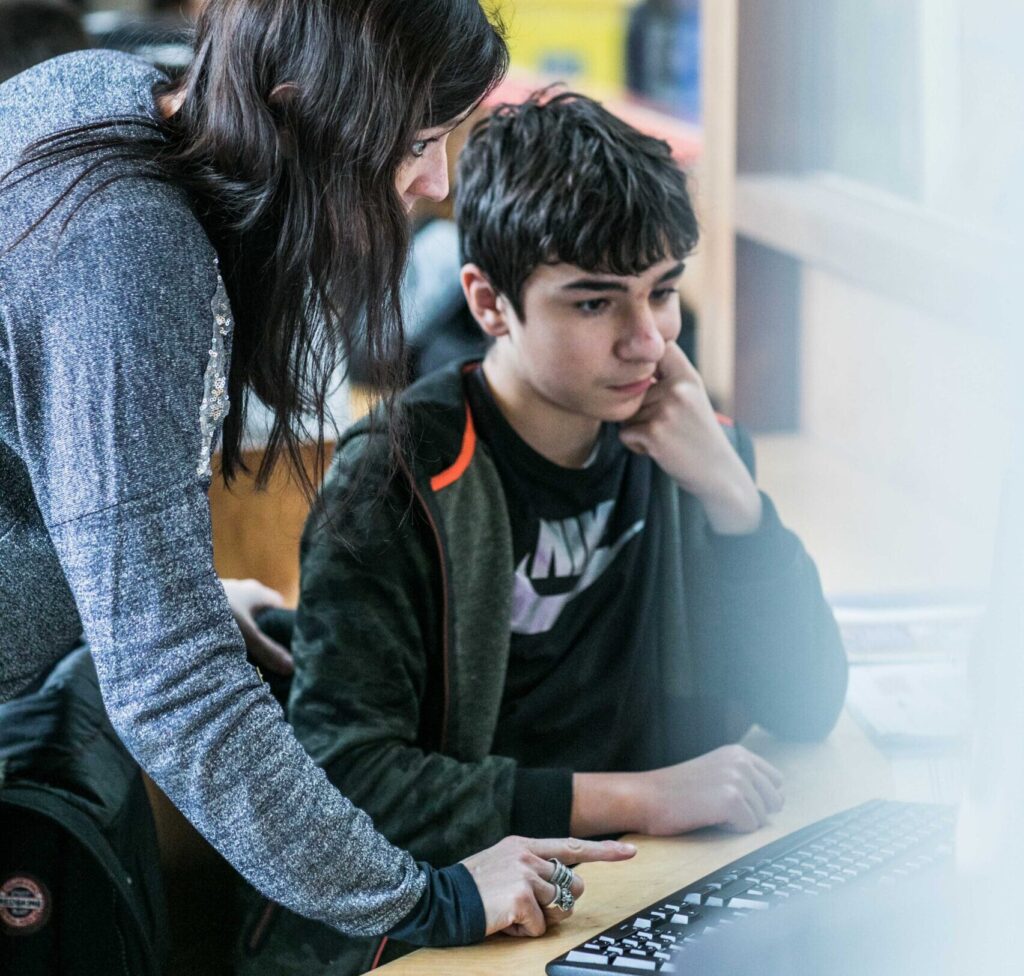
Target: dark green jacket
(403, 630)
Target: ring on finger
(561, 876)
(564, 899)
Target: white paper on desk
(908, 632)
(925, 703)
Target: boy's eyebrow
(603, 284)
(673, 272)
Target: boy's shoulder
(432, 417)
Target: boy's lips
(636, 388)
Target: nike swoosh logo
(533, 613)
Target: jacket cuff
(542, 802)
(760, 553)
(450, 911)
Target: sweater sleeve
(449, 913)
(112, 329)
(767, 636)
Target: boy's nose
(644, 339)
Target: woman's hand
(514, 876)
(246, 598)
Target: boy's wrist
(607, 803)
(733, 509)
(732, 503)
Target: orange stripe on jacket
(380, 952)
(450, 475)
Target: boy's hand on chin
(677, 427)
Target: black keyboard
(879, 842)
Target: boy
(555, 620)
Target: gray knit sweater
(113, 346)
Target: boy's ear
(486, 304)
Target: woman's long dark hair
(296, 117)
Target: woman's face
(424, 172)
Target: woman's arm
(111, 335)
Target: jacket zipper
(446, 692)
(444, 654)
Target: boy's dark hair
(559, 179)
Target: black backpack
(81, 892)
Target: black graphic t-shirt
(581, 690)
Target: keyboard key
(746, 902)
(685, 917)
(630, 962)
(589, 957)
(697, 897)
(721, 897)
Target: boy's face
(589, 344)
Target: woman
(168, 251)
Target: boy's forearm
(607, 803)
(735, 508)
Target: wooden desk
(821, 779)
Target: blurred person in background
(37, 30)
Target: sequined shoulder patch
(216, 403)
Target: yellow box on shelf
(580, 42)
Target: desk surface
(821, 779)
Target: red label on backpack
(24, 905)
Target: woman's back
(59, 352)
(114, 344)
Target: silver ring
(564, 899)
(561, 876)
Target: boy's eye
(418, 148)
(662, 295)
(591, 306)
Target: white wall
(915, 410)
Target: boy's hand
(677, 427)
(730, 787)
(246, 598)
